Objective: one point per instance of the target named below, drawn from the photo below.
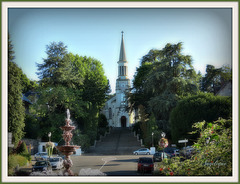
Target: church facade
(116, 107)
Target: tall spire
(122, 56)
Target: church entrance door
(123, 121)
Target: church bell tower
(123, 83)
(122, 86)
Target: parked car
(142, 151)
(42, 166)
(187, 152)
(56, 162)
(145, 164)
(171, 151)
(159, 155)
(41, 156)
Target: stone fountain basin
(67, 149)
(67, 128)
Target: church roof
(122, 56)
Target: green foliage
(102, 124)
(27, 84)
(215, 78)
(212, 158)
(12, 164)
(102, 121)
(50, 69)
(81, 139)
(14, 161)
(16, 110)
(22, 149)
(204, 106)
(31, 127)
(71, 82)
(164, 77)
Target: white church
(115, 108)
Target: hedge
(196, 108)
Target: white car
(56, 162)
(142, 151)
(41, 156)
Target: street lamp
(152, 139)
(163, 134)
(49, 136)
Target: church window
(110, 113)
(125, 72)
(123, 97)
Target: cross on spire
(122, 33)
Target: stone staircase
(120, 141)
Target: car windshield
(54, 159)
(145, 160)
(43, 154)
(40, 163)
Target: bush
(12, 164)
(196, 108)
(22, 149)
(27, 156)
(82, 140)
(213, 155)
(14, 161)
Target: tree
(50, 71)
(164, 77)
(215, 78)
(72, 82)
(27, 84)
(196, 108)
(16, 110)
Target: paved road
(111, 165)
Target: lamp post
(49, 149)
(152, 139)
(49, 136)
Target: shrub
(81, 139)
(213, 155)
(14, 161)
(12, 164)
(196, 108)
(22, 149)
(27, 156)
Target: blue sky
(205, 33)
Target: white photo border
(112, 4)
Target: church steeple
(122, 63)
(122, 56)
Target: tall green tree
(164, 77)
(50, 70)
(215, 78)
(16, 110)
(72, 82)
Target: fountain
(67, 149)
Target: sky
(206, 35)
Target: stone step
(120, 141)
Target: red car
(145, 164)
